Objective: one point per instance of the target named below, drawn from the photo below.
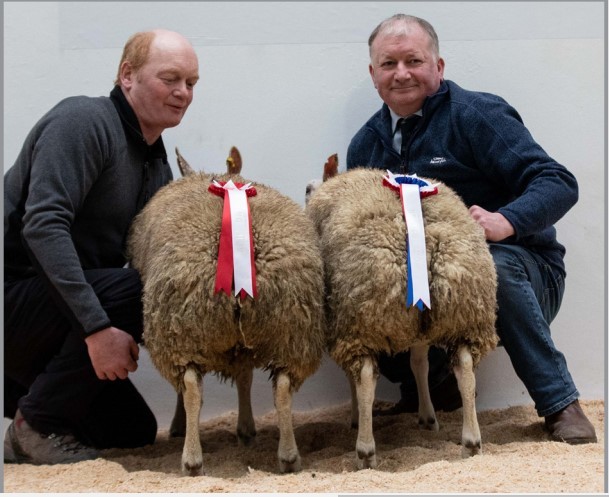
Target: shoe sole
(575, 441)
(15, 454)
(9, 455)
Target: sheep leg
(419, 363)
(178, 423)
(354, 407)
(246, 428)
(471, 443)
(365, 450)
(192, 456)
(289, 458)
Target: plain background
(288, 84)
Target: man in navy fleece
(477, 144)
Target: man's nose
(180, 89)
(402, 71)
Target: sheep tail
(238, 312)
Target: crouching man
(73, 312)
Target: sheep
(363, 237)
(190, 331)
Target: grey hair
(397, 25)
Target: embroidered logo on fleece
(438, 160)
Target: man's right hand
(496, 227)
(113, 353)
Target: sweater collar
(433, 100)
(132, 128)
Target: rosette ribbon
(236, 250)
(411, 190)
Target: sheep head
(330, 167)
(184, 166)
(330, 170)
(233, 163)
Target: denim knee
(529, 293)
(517, 266)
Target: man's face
(162, 89)
(404, 70)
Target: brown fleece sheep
(190, 331)
(363, 238)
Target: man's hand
(113, 353)
(496, 226)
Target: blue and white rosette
(411, 190)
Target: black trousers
(396, 369)
(48, 374)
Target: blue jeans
(529, 294)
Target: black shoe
(22, 444)
(444, 397)
(404, 405)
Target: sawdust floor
(517, 457)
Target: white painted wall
(288, 84)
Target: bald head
(139, 46)
(403, 25)
(157, 75)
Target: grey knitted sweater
(82, 175)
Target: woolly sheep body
(363, 237)
(174, 245)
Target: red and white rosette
(411, 189)
(236, 250)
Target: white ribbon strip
(240, 228)
(418, 283)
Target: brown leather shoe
(570, 425)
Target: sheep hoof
(195, 469)
(366, 462)
(246, 439)
(365, 455)
(291, 465)
(469, 449)
(430, 424)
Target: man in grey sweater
(73, 314)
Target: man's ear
(126, 74)
(440, 65)
(371, 70)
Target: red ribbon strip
(225, 269)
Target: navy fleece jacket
(477, 144)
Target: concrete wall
(288, 84)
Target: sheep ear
(184, 166)
(331, 167)
(233, 163)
